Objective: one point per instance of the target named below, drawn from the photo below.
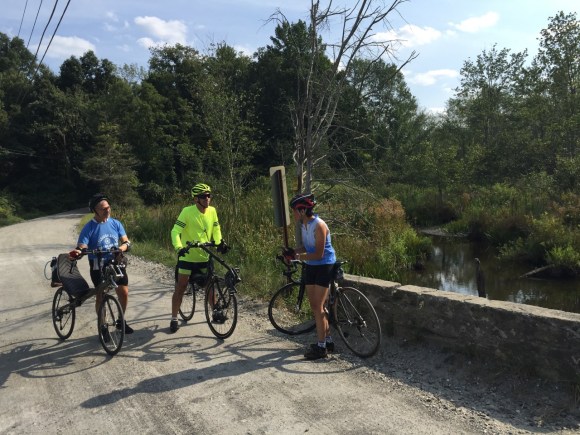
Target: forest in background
(500, 165)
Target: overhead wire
(52, 37)
(48, 45)
(34, 25)
(44, 31)
(22, 19)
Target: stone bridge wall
(542, 341)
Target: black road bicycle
(220, 301)
(349, 311)
(75, 291)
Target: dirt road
(256, 382)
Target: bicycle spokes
(289, 310)
(63, 314)
(111, 324)
(357, 322)
(221, 308)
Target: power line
(40, 43)
(44, 31)
(53, 33)
(22, 19)
(34, 25)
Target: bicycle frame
(347, 309)
(110, 273)
(220, 302)
(232, 276)
(292, 268)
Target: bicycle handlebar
(202, 245)
(98, 252)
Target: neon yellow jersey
(193, 226)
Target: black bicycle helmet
(303, 200)
(95, 199)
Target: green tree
(228, 117)
(486, 102)
(109, 166)
(175, 72)
(559, 62)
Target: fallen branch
(535, 271)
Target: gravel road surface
(255, 382)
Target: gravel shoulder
(256, 382)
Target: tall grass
(372, 235)
(527, 221)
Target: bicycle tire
(187, 307)
(287, 315)
(222, 315)
(63, 313)
(357, 322)
(111, 324)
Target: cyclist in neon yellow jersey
(196, 223)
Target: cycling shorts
(319, 274)
(96, 276)
(190, 268)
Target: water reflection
(452, 267)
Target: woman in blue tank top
(318, 254)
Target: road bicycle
(348, 310)
(220, 300)
(75, 291)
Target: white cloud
(430, 78)
(62, 47)
(413, 36)
(410, 35)
(166, 32)
(147, 42)
(475, 24)
(244, 50)
(112, 16)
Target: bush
(7, 209)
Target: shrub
(7, 210)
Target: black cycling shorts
(190, 268)
(320, 274)
(96, 276)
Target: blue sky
(445, 33)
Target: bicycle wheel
(63, 313)
(221, 309)
(111, 324)
(187, 307)
(288, 314)
(357, 322)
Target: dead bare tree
(365, 33)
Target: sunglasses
(204, 196)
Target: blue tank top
(329, 256)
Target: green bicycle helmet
(200, 188)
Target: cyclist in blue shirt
(319, 255)
(104, 232)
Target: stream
(452, 267)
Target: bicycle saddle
(70, 276)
